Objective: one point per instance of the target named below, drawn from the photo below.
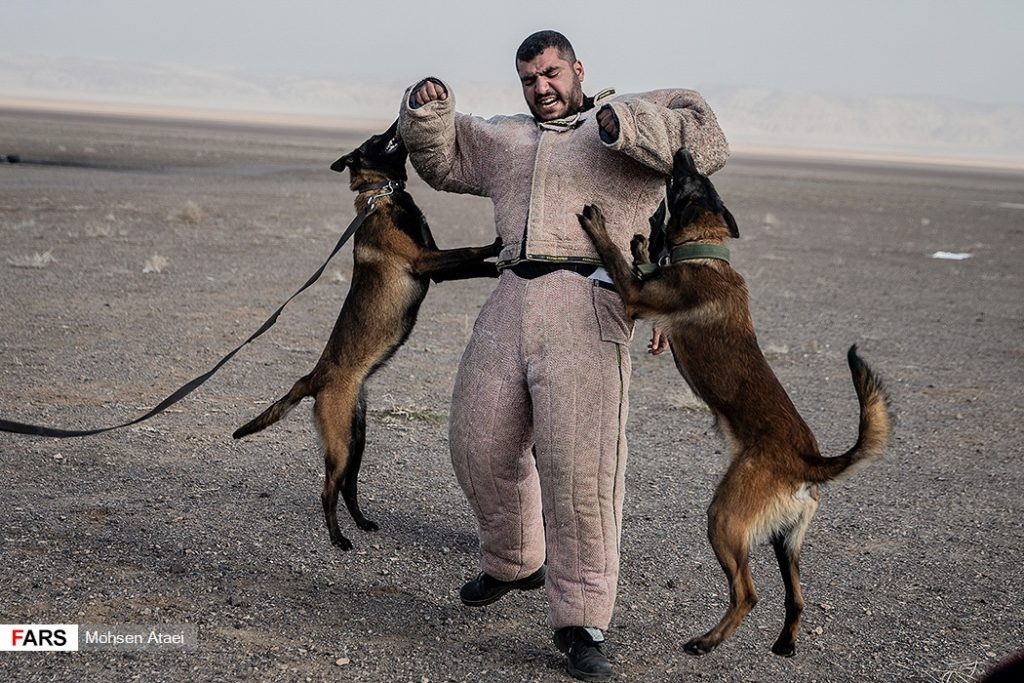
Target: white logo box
(38, 637)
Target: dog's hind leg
(789, 559)
(787, 544)
(355, 459)
(729, 539)
(335, 416)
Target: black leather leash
(188, 388)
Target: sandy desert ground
(911, 570)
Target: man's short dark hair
(542, 40)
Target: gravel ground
(911, 569)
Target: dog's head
(382, 157)
(697, 211)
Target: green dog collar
(687, 252)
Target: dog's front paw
(592, 221)
(640, 248)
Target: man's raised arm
(446, 148)
(652, 126)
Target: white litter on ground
(155, 264)
(36, 260)
(952, 256)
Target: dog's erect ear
(656, 242)
(342, 163)
(657, 220)
(734, 229)
(683, 162)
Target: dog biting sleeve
(653, 126)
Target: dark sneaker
(485, 589)
(584, 658)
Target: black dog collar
(390, 186)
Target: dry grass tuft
(98, 230)
(962, 672)
(33, 261)
(427, 415)
(191, 213)
(155, 264)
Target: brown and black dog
(394, 259)
(771, 488)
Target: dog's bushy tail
(875, 424)
(280, 408)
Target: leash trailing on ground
(183, 391)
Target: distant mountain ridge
(920, 126)
(917, 125)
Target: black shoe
(584, 660)
(485, 589)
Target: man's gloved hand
(428, 92)
(609, 123)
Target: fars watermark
(75, 637)
(38, 637)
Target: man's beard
(574, 104)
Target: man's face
(552, 86)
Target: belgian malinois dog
(395, 257)
(771, 488)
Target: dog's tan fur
(771, 488)
(394, 257)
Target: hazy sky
(971, 50)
